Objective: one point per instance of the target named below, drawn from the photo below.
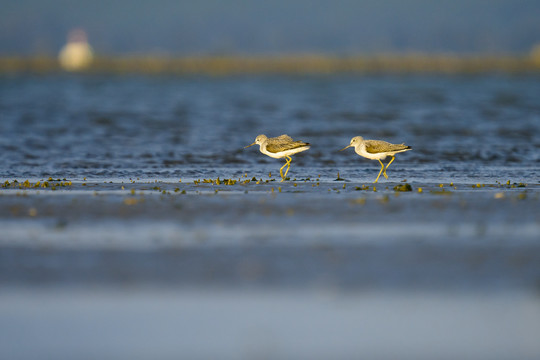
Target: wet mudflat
(251, 265)
(254, 231)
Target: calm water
(160, 127)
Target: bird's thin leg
(384, 172)
(281, 171)
(382, 168)
(289, 159)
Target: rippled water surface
(158, 126)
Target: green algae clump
(404, 187)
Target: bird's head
(354, 142)
(258, 140)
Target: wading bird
(279, 147)
(376, 150)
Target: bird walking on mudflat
(376, 150)
(282, 146)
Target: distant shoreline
(285, 64)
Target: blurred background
(210, 27)
(312, 36)
(132, 111)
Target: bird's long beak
(346, 147)
(245, 147)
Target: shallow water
(139, 257)
(137, 126)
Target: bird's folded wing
(378, 146)
(282, 143)
(283, 138)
